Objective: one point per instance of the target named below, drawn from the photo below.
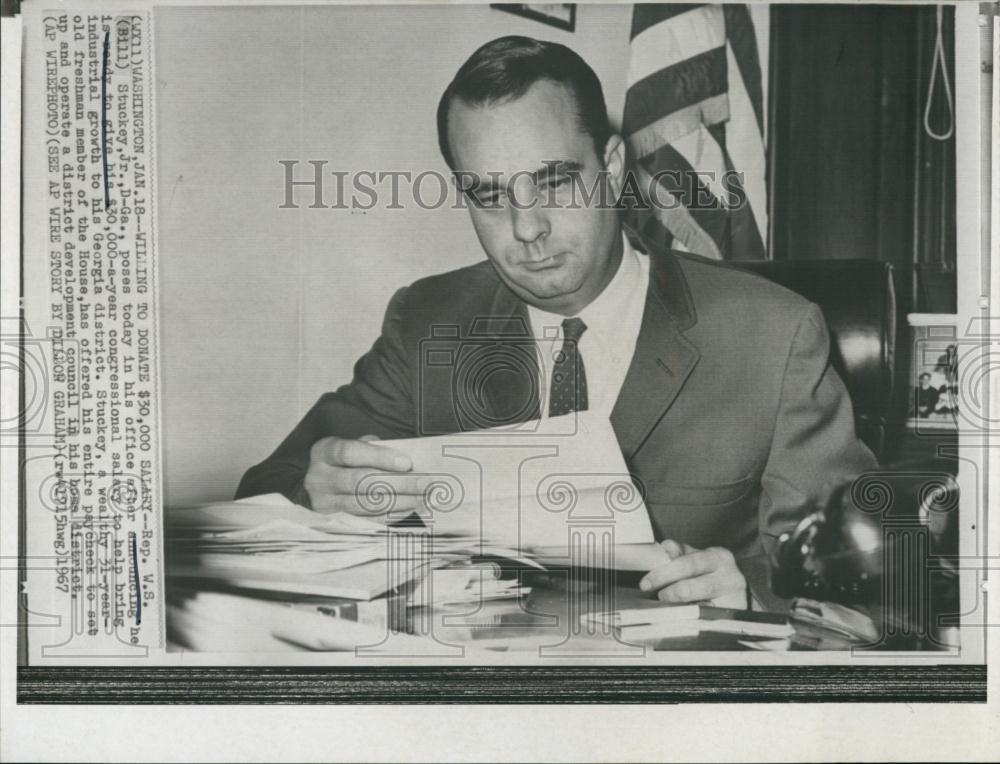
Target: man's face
(925, 381)
(552, 253)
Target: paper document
(253, 515)
(633, 557)
(531, 487)
(278, 546)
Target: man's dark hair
(505, 68)
(925, 374)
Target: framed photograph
(560, 15)
(346, 376)
(935, 397)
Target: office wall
(855, 173)
(263, 309)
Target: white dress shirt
(613, 321)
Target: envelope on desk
(530, 487)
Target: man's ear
(614, 162)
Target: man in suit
(717, 382)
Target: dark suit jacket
(731, 417)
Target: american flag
(694, 122)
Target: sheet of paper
(360, 582)
(258, 517)
(534, 486)
(634, 557)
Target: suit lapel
(663, 357)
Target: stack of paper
(510, 494)
(227, 622)
(466, 583)
(283, 547)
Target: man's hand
(337, 466)
(697, 575)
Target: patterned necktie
(568, 392)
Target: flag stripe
(743, 41)
(667, 166)
(646, 15)
(745, 240)
(745, 146)
(702, 154)
(684, 230)
(681, 229)
(681, 122)
(697, 220)
(676, 87)
(684, 36)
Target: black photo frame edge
(231, 685)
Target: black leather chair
(858, 300)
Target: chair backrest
(858, 300)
